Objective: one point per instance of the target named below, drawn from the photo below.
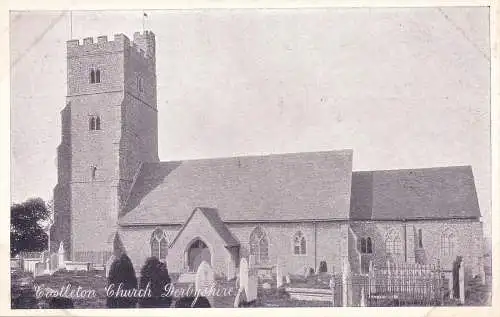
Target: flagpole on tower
(144, 15)
(70, 24)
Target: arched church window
(97, 76)
(259, 246)
(92, 76)
(140, 83)
(159, 244)
(299, 243)
(92, 123)
(98, 123)
(420, 243)
(447, 243)
(363, 245)
(368, 245)
(393, 246)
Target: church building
(303, 210)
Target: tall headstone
(450, 285)
(204, 280)
(346, 283)
(243, 278)
(239, 298)
(363, 298)
(482, 273)
(248, 281)
(61, 257)
(279, 275)
(461, 281)
(108, 264)
(231, 269)
(332, 288)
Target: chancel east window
(259, 246)
(299, 243)
(393, 245)
(447, 243)
(159, 244)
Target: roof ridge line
(412, 169)
(346, 150)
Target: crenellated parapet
(143, 44)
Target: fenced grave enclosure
(399, 284)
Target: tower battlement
(143, 44)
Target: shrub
(192, 302)
(155, 274)
(122, 274)
(61, 303)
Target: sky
(402, 88)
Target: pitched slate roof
(429, 193)
(282, 187)
(216, 223)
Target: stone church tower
(109, 127)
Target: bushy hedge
(155, 274)
(122, 273)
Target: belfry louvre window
(299, 243)
(95, 76)
(259, 246)
(95, 123)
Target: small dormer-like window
(95, 76)
(94, 123)
(140, 83)
(93, 172)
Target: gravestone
(204, 279)
(279, 275)
(363, 298)
(54, 264)
(322, 267)
(461, 281)
(231, 269)
(346, 281)
(108, 264)
(61, 257)
(332, 288)
(243, 278)
(307, 271)
(240, 298)
(248, 281)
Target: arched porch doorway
(198, 252)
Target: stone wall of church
(137, 242)
(327, 244)
(467, 240)
(323, 243)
